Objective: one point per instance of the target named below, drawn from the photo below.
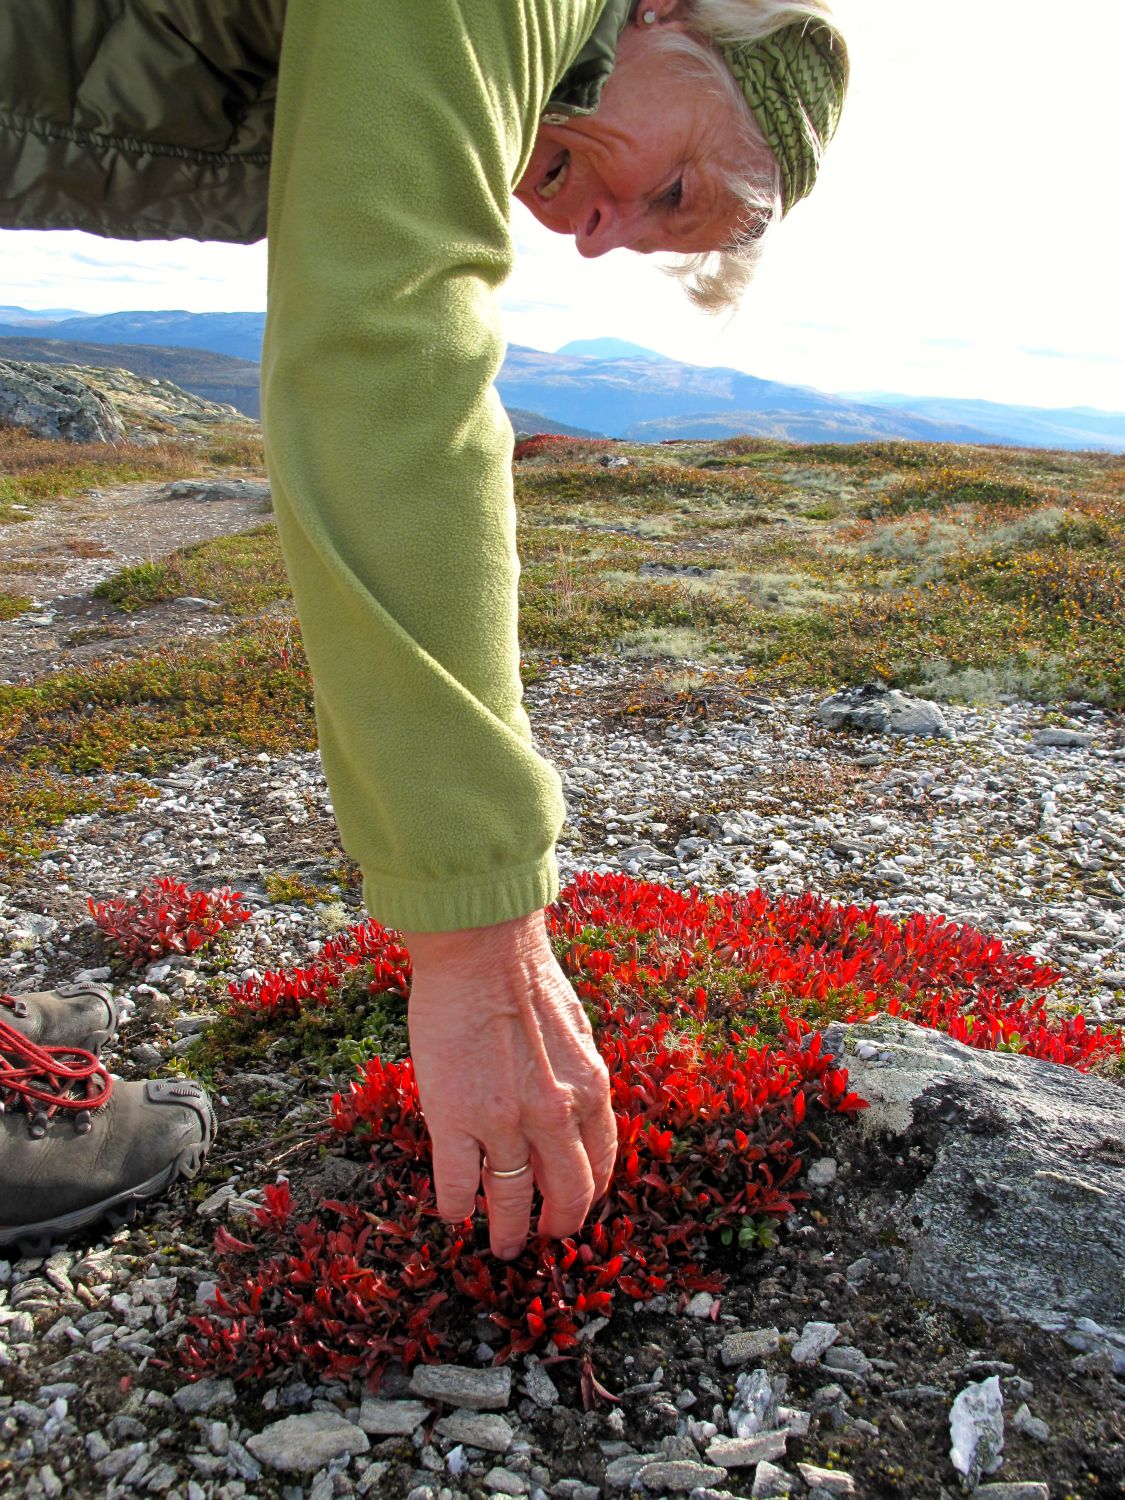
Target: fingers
(599, 1137)
(565, 1178)
(508, 1198)
(456, 1173)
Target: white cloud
(63, 268)
(969, 215)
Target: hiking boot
(74, 1015)
(77, 1146)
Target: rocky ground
(819, 1371)
(57, 555)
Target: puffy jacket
(153, 119)
(398, 130)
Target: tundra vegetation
(966, 573)
(973, 573)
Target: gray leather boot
(77, 1146)
(73, 1015)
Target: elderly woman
(401, 133)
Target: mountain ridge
(626, 390)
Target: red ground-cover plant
(709, 1137)
(167, 917)
(773, 956)
(560, 446)
(369, 945)
(705, 1009)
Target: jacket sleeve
(398, 136)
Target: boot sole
(34, 1239)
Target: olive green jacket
(153, 119)
(391, 143)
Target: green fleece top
(389, 451)
(400, 131)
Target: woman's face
(647, 171)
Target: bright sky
(966, 237)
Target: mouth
(554, 179)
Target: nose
(608, 225)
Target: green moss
(328, 1040)
(290, 889)
(32, 803)
(251, 690)
(12, 605)
(244, 572)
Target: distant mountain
(43, 315)
(1021, 426)
(238, 334)
(625, 390)
(213, 377)
(609, 349)
(861, 424)
(653, 399)
(525, 423)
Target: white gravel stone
(460, 1385)
(478, 1429)
(771, 1482)
(504, 1482)
(621, 1471)
(679, 1475)
(815, 1339)
(835, 1481)
(539, 1385)
(743, 1453)
(822, 1173)
(749, 1343)
(391, 1418)
(1032, 1427)
(305, 1443)
(700, 1305)
(204, 1396)
(976, 1429)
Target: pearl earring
(649, 17)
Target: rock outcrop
(881, 710)
(91, 405)
(53, 401)
(1005, 1178)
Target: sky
(966, 237)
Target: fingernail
(509, 1252)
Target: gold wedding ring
(515, 1172)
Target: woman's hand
(506, 1066)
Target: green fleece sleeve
(400, 130)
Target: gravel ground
(993, 825)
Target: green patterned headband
(794, 81)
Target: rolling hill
(609, 386)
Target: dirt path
(58, 556)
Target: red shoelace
(52, 1078)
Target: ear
(660, 12)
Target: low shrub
(704, 1008)
(167, 917)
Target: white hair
(715, 280)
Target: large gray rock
(882, 710)
(1022, 1211)
(213, 489)
(54, 403)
